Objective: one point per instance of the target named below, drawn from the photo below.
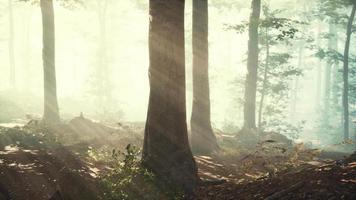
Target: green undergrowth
(129, 180)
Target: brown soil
(33, 174)
(273, 170)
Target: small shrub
(129, 180)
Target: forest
(177, 99)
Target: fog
(102, 64)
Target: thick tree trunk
(51, 111)
(252, 65)
(345, 95)
(11, 47)
(203, 140)
(166, 148)
(264, 84)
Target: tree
(345, 95)
(275, 71)
(101, 76)
(333, 12)
(327, 76)
(252, 65)
(11, 47)
(51, 111)
(166, 150)
(203, 139)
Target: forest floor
(64, 163)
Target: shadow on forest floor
(36, 164)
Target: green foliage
(129, 180)
(333, 11)
(283, 28)
(275, 71)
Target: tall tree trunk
(336, 97)
(51, 111)
(252, 65)
(27, 15)
(318, 74)
(166, 149)
(102, 69)
(265, 81)
(345, 95)
(203, 140)
(296, 84)
(11, 47)
(327, 80)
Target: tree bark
(203, 140)
(166, 150)
(51, 111)
(346, 73)
(252, 65)
(11, 47)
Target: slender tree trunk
(296, 84)
(102, 76)
(203, 139)
(166, 149)
(345, 95)
(264, 85)
(27, 15)
(336, 98)
(252, 65)
(51, 111)
(318, 74)
(11, 47)
(327, 80)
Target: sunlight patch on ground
(26, 166)
(10, 149)
(11, 125)
(34, 152)
(94, 172)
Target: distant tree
(345, 95)
(11, 46)
(274, 69)
(252, 65)
(51, 111)
(102, 70)
(166, 150)
(203, 140)
(334, 12)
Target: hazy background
(78, 49)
